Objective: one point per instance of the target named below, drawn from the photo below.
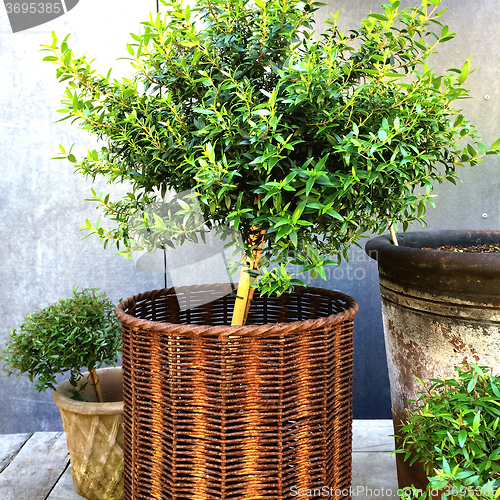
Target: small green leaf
(495, 455)
(476, 421)
(67, 57)
(334, 214)
(465, 72)
(203, 111)
(450, 437)
(283, 231)
(470, 385)
(309, 185)
(471, 150)
(379, 17)
(495, 390)
(462, 436)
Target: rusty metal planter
(236, 412)
(440, 309)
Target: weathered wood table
(36, 466)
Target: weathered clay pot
(94, 435)
(440, 309)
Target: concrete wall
(42, 201)
(42, 207)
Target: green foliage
(74, 333)
(453, 431)
(338, 134)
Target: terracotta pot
(440, 309)
(94, 435)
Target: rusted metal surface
(440, 309)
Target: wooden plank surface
(64, 489)
(37, 467)
(374, 476)
(10, 444)
(34, 471)
(372, 435)
(373, 468)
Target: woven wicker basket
(236, 412)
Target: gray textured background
(42, 207)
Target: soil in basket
(492, 248)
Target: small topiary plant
(74, 333)
(300, 143)
(454, 432)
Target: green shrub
(74, 333)
(453, 431)
(315, 140)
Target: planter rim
(384, 251)
(196, 330)
(86, 407)
(443, 276)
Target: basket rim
(259, 329)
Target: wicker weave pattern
(228, 412)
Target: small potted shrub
(299, 143)
(74, 333)
(451, 433)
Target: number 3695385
(33, 8)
